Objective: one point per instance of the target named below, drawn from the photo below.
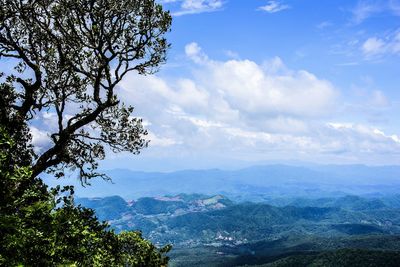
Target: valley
(220, 231)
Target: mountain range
(216, 231)
(253, 183)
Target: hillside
(342, 257)
(223, 231)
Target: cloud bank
(240, 108)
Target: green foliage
(138, 252)
(341, 258)
(23, 202)
(42, 227)
(201, 219)
(148, 205)
(16, 129)
(69, 57)
(257, 233)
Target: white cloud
(161, 141)
(273, 7)
(250, 88)
(201, 4)
(366, 139)
(184, 93)
(374, 46)
(194, 52)
(283, 124)
(227, 101)
(195, 6)
(366, 9)
(239, 107)
(236, 88)
(275, 66)
(40, 139)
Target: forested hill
(223, 231)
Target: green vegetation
(342, 258)
(149, 206)
(106, 208)
(214, 231)
(43, 227)
(68, 58)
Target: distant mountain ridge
(249, 183)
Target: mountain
(108, 208)
(253, 184)
(204, 219)
(273, 215)
(215, 231)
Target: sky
(252, 81)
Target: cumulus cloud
(250, 88)
(241, 106)
(365, 138)
(194, 6)
(233, 89)
(194, 52)
(273, 7)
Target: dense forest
(217, 231)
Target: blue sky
(255, 81)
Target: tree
(41, 227)
(69, 57)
